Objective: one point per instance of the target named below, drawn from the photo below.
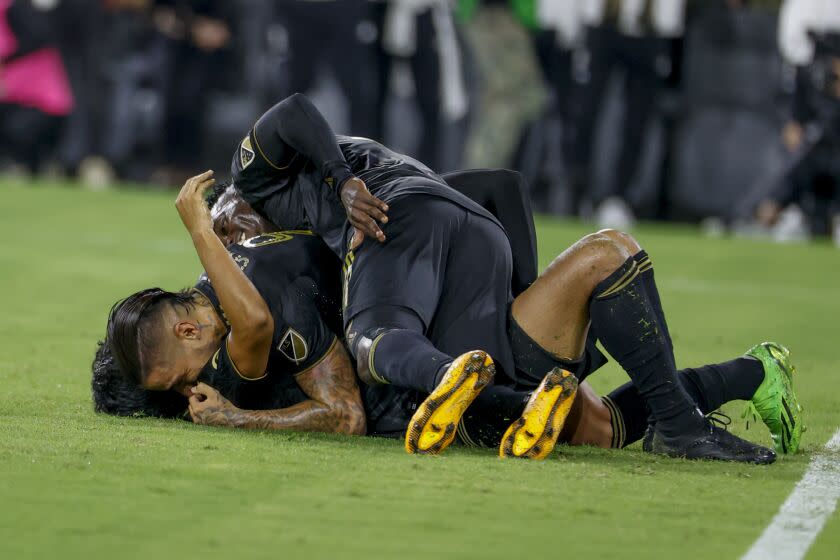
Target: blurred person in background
(731, 95)
(634, 37)
(199, 50)
(557, 30)
(128, 91)
(421, 39)
(310, 37)
(807, 198)
(512, 92)
(35, 94)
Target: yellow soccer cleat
(535, 433)
(432, 428)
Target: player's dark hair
(131, 328)
(114, 394)
(218, 190)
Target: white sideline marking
(802, 516)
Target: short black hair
(130, 332)
(218, 190)
(114, 394)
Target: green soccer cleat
(775, 400)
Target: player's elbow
(263, 323)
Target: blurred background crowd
(722, 111)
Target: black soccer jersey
(299, 278)
(294, 190)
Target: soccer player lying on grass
(619, 422)
(443, 275)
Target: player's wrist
(203, 234)
(336, 174)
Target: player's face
(234, 220)
(180, 374)
(183, 352)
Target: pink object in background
(35, 80)
(8, 43)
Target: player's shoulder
(289, 251)
(284, 241)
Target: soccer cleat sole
(535, 433)
(787, 440)
(432, 428)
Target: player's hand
(363, 209)
(208, 406)
(191, 203)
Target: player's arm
(251, 324)
(295, 126)
(334, 403)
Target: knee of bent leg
(603, 251)
(360, 345)
(622, 238)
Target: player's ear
(186, 330)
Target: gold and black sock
(624, 318)
(648, 281)
(617, 407)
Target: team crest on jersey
(293, 346)
(241, 261)
(246, 152)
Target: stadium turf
(77, 485)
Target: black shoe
(712, 443)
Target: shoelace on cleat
(719, 419)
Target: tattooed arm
(334, 403)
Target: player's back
(298, 277)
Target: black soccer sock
(646, 274)
(406, 358)
(627, 326)
(390, 342)
(709, 386)
(489, 416)
(717, 384)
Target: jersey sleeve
(286, 138)
(221, 366)
(306, 339)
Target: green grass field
(77, 485)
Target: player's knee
(603, 252)
(622, 238)
(361, 345)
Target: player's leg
(472, 310)
(393, 297)
(598, 279)
(763, 376)
(710, 387)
